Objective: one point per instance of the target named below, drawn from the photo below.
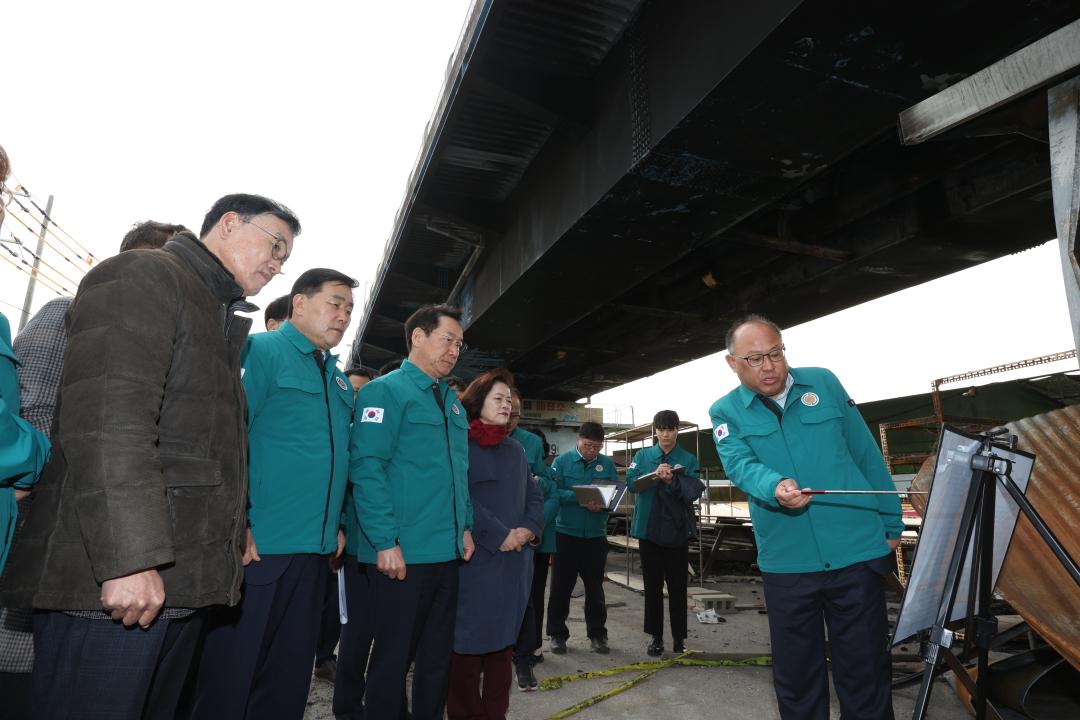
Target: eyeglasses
(451, 340)
(279, 248)
(590, 445)
(755, 359)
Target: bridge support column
(1064, 118)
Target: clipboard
(648, 480)
(612, 493)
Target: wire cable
(18, 256)
(41, 280)
(89, 260)
(46, 242)
(26, 248)
(34, 201)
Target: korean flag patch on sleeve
(721, 432)
(371, 414)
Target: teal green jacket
(298, 443)
(821, 442)
(535, 452)
(23, 450)
(410, 468)
(645, 461)
(570, 471)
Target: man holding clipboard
(581, 539)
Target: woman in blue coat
(508, 519)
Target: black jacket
(149, 464)
(671, 519)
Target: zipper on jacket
(330, 427)
(240, 517)
(453, 480)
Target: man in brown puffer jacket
(137, 525)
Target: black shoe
(526, 679)
(656, 647)
(558, 645)
(599, 645)
(679, 646)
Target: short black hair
(150, 235)
(390, 366)
(278, 309)
(591, 431)
(427, 319)
(457, 383)
(666, 420)
(311, 281)
(362, 371)
(729, 337)
(247, 207)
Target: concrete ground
(673, 693)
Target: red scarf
(486, 435)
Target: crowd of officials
(215, 512)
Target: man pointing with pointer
(822, 558)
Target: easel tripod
(977, 522)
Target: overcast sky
(134, 111)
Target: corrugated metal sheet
(1032, 580)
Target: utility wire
(16, 308)
(59, 252)
(40, 273)
(89, 260)
(31, 273)
(34, 201)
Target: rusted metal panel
(1032, 580)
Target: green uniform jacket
(535, 452)
(298, 443)
(23, 450)
(821, 442)
(645, 461)
(410, 468)
(570, 471)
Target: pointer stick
(808, 491)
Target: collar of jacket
(418, 376)
(746, 395)
(208, 268)
(302, 343)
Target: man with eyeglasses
(824, 562)
(580, 540)
(409, 474)
(139, 521)
(257, 658)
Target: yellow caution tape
(649, 669)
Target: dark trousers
(330, 624)
(257, 658)
(356, 637)
(15, 696)
(576, 556)
(480, 686)
(661, 565)
(414, 624)
(101, 669)
(851, 602)
(531, 636)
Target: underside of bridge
(605, 185)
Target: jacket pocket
(303, 384)
(819, 415)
